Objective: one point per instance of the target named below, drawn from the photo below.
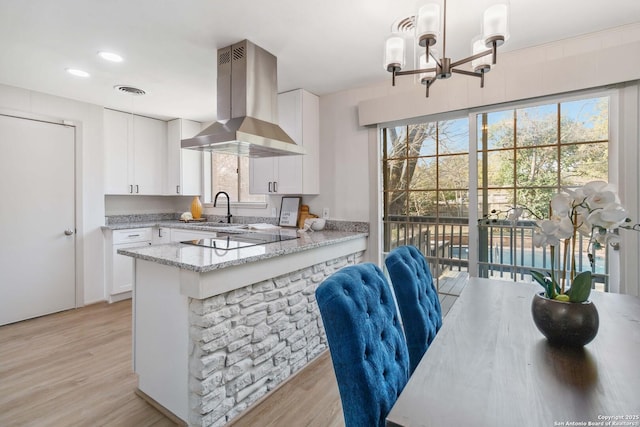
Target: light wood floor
(74, 369)
(310, 398)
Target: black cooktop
(229, 241)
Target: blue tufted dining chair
(417, 299)
(366, 342)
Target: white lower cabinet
(180, 234)
(119, 268)
(161, 235)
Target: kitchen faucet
(215, 201)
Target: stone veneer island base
(208, 344)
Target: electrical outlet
(274, 212)
(325, 213)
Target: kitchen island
(215, 330)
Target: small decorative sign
(289, 211)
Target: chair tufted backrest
(366, 342)
(417, 299)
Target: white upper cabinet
(135, 154)
(298, 113)
(184, 167)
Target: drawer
(132, 235)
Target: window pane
(582, 163)
(395, 172)
(424, 173)
(396, 142)
(499, 130)
(224, 174)
(480, 170)
(537, 167)
(422, 203)
(245, 196)
(536, 200)
(585, 120)
(500, 168)
(454, 204)
(453, 171)
(537, 126)
(453, 136)
(499, 200)
(395, 204)
(422, 141)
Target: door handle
(68, 232)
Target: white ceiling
(170, 46)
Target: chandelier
(427, 25)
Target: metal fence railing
(506, 249)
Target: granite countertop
(194, 225)
(202, 260)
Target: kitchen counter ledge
(205, 272)
(203, 226)
(202, 260)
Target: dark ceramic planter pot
(565, 323)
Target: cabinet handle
(275, 186)
(131, 189)
(133, 235)
(137, 189)
(269, 186)
(159, 232)
(177, 189)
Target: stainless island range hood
(247, 107)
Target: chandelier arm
(466, 73)
(420, 71)
(431, 54)
(473, 57)
(494, 52)
(428, 85)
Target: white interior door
(37, 218)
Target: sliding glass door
(521, 157)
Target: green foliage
(579, 291)
(551, 287)
(580, 287)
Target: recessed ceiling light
(77, 73)
(110, 56)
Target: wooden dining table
(490, 366)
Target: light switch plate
(274, 213)
(325, 213)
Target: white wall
(89, 192)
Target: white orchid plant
(593, 210)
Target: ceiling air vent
(130, 90)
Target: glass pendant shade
(394, 53)
(425, 62)
(428, 24)
(482, 64)
(495, 26)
